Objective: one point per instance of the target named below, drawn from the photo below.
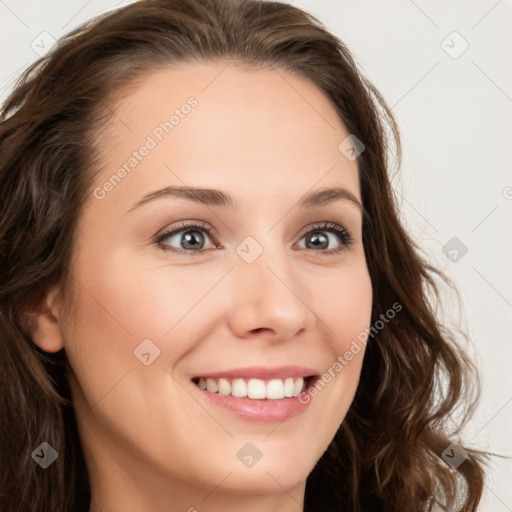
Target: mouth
(256, 389)
(258, 394)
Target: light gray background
(454, 113)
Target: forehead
(223, 125)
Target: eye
(191, 239)
(318, 241)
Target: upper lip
(261, 372)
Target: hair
(386, 455)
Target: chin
(275, 470)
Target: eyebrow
(214, 197)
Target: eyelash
(342, 234)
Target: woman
(208, 300)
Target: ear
(44, 322)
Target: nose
(270, 298)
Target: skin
(267, 137)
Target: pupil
(316, 239)
(189, 239)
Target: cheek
(120, 310)
(121, 304)
(346, 308)
(112, 317)
(352, 317)
(346, 315)
(127, 310)
(146, 300)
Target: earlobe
(45, 329)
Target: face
(246, 290)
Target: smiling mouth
(256, 389)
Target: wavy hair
(386, 454)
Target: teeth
(211, 386)
(298, 386)
(288, 387)
(224, 387)
(256, 389)
(275, 389)
(239, 388)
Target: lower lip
(265, 411)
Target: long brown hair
(386, 454)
